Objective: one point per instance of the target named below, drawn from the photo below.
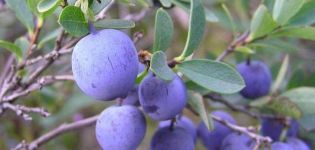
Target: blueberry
(105, 64)
(120, 128)
(160, 99)
(172, 139)
(257, 77)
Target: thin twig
(241, 40)
(233, 107)
(6, 69)
(137, 16)
(249, 131)
(43, 81)
(56, 132)
(23, 111)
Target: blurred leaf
(306, 14)
(301, 77)
(283, 10)
(262, 23)
(23, 43)
(12, 48)
(308, 122)
(196, 28)
(213, 75)
(260, 101)
(47, 5)
(160, 68)
(304, 97)
(276, 87)
(196, 102)
(244, 49)
(22, 13)
(49, 37)
(115, 24)
(32, 5)
(166, 3)
(284, 106)
(97, 7)
(274, 44)
(296, 32)
(210, 16)
(230, 19)
(73, 21)
(163, 31)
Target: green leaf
(304, 97)
(283, 10)
(23, 44)
(196, 88)
(281, 75)
(296, 32)
(166, 3)
(308, 122)
(213, 75)
(73, 21)
(196, 102)
(306, 14)
(12, 48)
(49, 37)
(115, 24)
(22, 12)
(230, 19)
(262, 23)
(210, 16)
(160, 68)
(282, 105)
(244, 49)
(163, 31)
(196, 29)
(32, 5)
(97, 7)
(47, 5)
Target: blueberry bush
(157, 74)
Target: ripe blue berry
(105, 64)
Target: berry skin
(105, 64)
(237, 141)
(281, 146)
(297, 144)
(183, 122)
(120, 128)
(273, 128)
(212, 139)
(162, 100)
(257, 77)
(172, 139)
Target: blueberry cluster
(105, 66)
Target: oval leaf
(213, 75)
(282, 105)
(97, 7)
(296, 32)
(166, 3)
(283, 10)
(197, 22)
(47, 5)
(12, 48)
(22, 12)
(160, 68)
(115, 24)
(163, 30)
(262, 23)
(304, 97)
(73, 21)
